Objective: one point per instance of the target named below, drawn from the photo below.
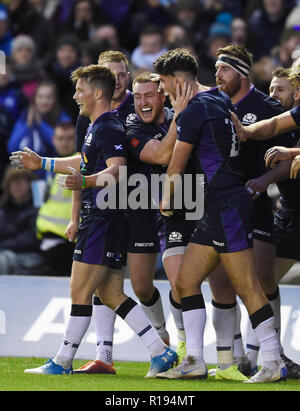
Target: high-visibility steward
(54, 215)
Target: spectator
(45, 7)
(206, 68)
(240, 32)
(90, 51)
(195, 19)
(5, 33)
(25, 19)
(54, 215)
(11, 97)
(145, 13)
(26, 68)
(265, 26)
(174, 32)
(6, 125)
(82, 21)
(19, 247)
(293, 19)
(36, 125)
(67, 59)
(109, 33)
(117, 11)
(282, 55)
(151, 46)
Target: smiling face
(281, 90)
(45, 99)
(85, 97)
(122, 80)
(148, 102)
(168, 84)
(227, 79)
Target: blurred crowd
(45, 40)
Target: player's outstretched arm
(279, 153)
(77, 181)
(265, 129)
(259, 185)
(32, 161)
(160, 152)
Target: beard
(230, 87)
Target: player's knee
(184, 286)
(143, 291)
(81, 297)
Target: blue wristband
(43, 163)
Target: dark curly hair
(176, 60)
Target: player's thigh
(197, 263)
(141, 268)
(241, 269)
(221, 287)
(85, 279)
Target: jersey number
(235, 145)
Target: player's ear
(99, 94)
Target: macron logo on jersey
(118, 147)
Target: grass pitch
(130, 377)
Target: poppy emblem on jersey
(135, 142)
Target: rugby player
(233, 68)
(224, 234)
(143, 245)
(100, 253)
(151, 132)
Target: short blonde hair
(112, 56)
(145, 77)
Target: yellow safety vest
(54, 215)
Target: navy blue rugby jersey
(206, 124)
(83, 122)
(290, 189)
(138, 134)
(295, 113)
(105, 138)
(257, 106)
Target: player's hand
(256, 186)
(71, 230)
(295, 167)
(275, 154)
(26, 159)
(183, 96)
(70, 182)
(164, 208)
(241, 131)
